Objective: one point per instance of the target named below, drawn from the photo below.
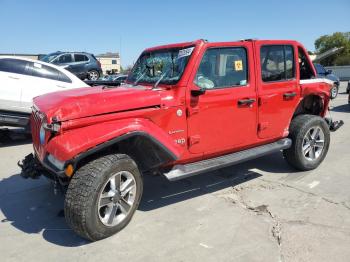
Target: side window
(304, 65)
(277, 63)
(63, 59)
(43, 71)
(64, 78)
(222, 67)
(80, 58)
(13, 66)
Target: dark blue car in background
(323, 73)
(83, 65)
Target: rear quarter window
(43, 71)
(80, 58)
(64, 78)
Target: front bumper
(31, 167)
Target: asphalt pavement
(262, 210)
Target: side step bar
(183, 171)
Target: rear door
(224, 117)
(278, 88)
(78, 67)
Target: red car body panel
(71, 143)
(191, 127)
(85, 102)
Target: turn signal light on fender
(69, 170)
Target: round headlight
(42, 135)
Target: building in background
(110, 62)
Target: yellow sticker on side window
(238, 65)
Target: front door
(224, 116)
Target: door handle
(289, 95)
(60, 86)
(247, 101)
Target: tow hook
(334, 125)
(30, 167)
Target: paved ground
(259, 211)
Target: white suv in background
(22, 79)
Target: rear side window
(13, 66)
(277, 63)
(80, 58)
(43, 71)
(222, 67)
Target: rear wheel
(310, 142)
(103, 196)
(93, 75)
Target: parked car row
(22, 79)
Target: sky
(128, 27)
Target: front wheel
(334, 91)
(103, 196)
(310, 142)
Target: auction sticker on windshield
(185, 52)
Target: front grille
(36, 120)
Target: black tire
(334, 91)
(82, 210)
(93, 75)
(299, 128)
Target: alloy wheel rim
(93, 75)
(116, 198)
(334, 92)
(313, 143)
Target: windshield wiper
(139, 79)
(143, 73)
(161, 77)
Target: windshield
(164, 66)
(48, 58)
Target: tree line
(327, 42)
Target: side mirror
(197, 91)
(329, 71)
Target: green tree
(327, 42)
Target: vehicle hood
(91, 101)
(333, 77)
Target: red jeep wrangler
(185, 109)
